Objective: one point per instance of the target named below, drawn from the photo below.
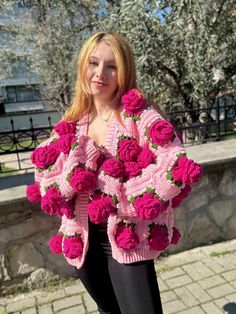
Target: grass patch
(7, 171)
(19, 145)
(219, 254)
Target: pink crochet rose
(33, 193)
(146, 157)
(64, 143)
(113, 168)
(51, 201)
(43, 157)
(100, 209)
(126, 238)
(55, 244)
(132, 169)
(158, 239)
(65, 127)
(175, 236)
(133, 102)
(187, 171)
(128, 150)
(82, 180)
(177, 200)
(148, 206)
(161, 132)
(73, 247)
(67, 209)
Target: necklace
(107, 118)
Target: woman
(113, 170)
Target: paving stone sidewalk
(201, 280)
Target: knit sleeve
(48, 163)
(163, 170)
(80, 167)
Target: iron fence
(16, 146)
(214, 123)
(196, 126)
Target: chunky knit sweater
(134, 182)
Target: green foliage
(48, 35)
(187, 56)
(183, 59)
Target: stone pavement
(201, 280)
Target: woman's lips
(99, 84)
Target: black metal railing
(15, 144)
(214, 123)
(196, 126)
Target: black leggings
(118, 288)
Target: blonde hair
(126, 73)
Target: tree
(49, 34)
(186, 56)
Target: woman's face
(102, 73)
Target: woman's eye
(112, 67)
(93, 63)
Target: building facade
(20, 98)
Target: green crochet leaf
(150, 190)
(136, 118)
(73, 146)
(168, 175)
(56, 185)
(122, 137)
(180, 155)
(115, 199)
(50, 167)
(132, 199)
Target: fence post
(217, 120)
(15, 143)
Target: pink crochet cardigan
(141, 172)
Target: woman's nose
(100, 71)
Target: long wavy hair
(126, 73)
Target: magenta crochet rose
(148, 206)
(51, 201)
(33, 193)
(43, 157)
(64, 143)
(82, 180)
(161, 132)
(65, 127)
(132, 169)
(158, 239)
(67, 208)
(177, 200)
(126, 238)
(133, 102)
(100, 209)
(72, 247)
(128, 150)
(175, 236)
(114, 168)
(55, 244)
(187, 171)
(146, 157)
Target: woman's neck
(103, 108)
